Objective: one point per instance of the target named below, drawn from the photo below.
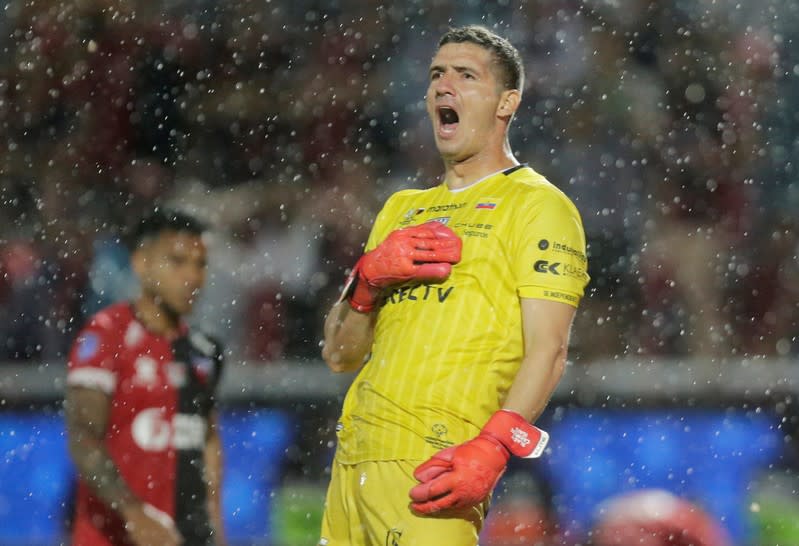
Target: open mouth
(448, 120)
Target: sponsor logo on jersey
(561, 248)
(420, 292)
(88, 346)
(559, 268)
(146, 371)
(441, 220)
(473, 225)
(445, 208)
(543, 266)
(188, 431)
(152, 431)
(561, 296)
(474, 229)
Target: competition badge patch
(88, 346)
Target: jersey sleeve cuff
(93, 378)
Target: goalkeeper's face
(463, 100)
(171, 269)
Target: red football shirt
(162, 396)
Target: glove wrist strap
(516, 434)
(361, 297)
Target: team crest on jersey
(413, 212)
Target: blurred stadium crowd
(672, 125)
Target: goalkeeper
(458, 317)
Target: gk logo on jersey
(543, 266)
(558, 268)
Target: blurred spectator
(767, 293)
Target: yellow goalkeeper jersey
(445, 354)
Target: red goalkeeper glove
(463, 476)
(425, 253)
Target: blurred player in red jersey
(140, 403)
(655, 518)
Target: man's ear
(509, 102)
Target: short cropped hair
(160, 220)
(505, 54)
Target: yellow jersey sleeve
(550, 258)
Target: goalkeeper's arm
(546, 326)
(419, 253)
(348, 337)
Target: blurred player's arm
(87, 417)
(213, 468)
(348, 337)
(545, 325)
(87, 412)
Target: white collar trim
(473, 184)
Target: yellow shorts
(368, 505)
